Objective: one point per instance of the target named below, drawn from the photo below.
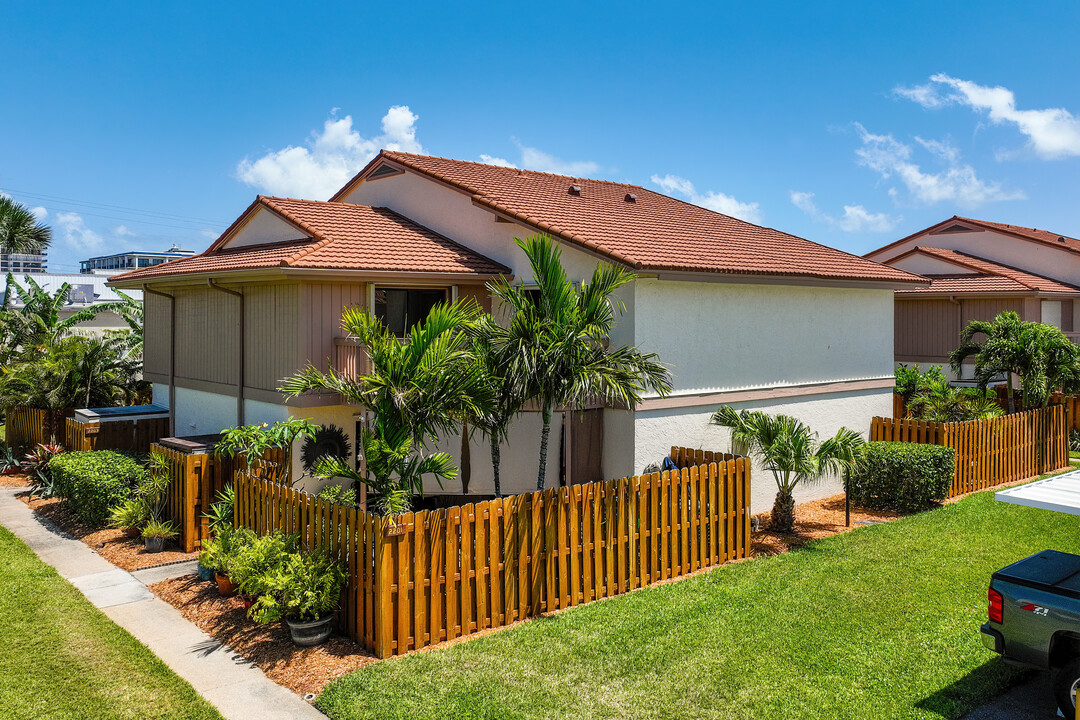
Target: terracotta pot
(224, 585)
(248, 601)
(132, 532)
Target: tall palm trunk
(544, 434)
(465, 471)
(1012, 401)
(495, 457)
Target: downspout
(240, 351)
(172, 355)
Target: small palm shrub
(906, 477)
(160, 529)
(131, 513)
(222, 511)
(94, 482)
(1074, 441)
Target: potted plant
(305, 592)
(220, 555)
(130, 516)
(156, 533)
(220, 516)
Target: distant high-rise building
(35, 262)
(122, 262)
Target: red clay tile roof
(655, 232)
(341, 237)
(991, 277)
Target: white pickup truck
(1034, 619)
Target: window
(400, 308)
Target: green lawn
(62, 658)
(881, 622)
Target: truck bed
(1050, 571)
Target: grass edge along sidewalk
(63, 658)
(880, 622)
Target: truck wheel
(1066, 684)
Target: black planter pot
(154, 544)
(308, 634)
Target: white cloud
(40, 213)
(540, 161)
(856, 218)
(957, 182)
(717, 201)
(124, 231)
(1053, 133)
(330, 158)
(497, 161)
(75, 234)
(210, 234)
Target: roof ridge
(1009, 226)
(394, 153)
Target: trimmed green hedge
(93, 482)
(902, 476)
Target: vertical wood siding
(155, 334)
(321, 306)
(925, 328)
(271, 334)
(207, 334)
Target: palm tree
(555, 343)
(790, 451)
(504, 399)
(1040, 355)
(38, 321)
(20, 231)
(418, 388)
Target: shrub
(902, 476)
(131, 513)
(159, 529)
(252, 564)
(338, 495)
(304, 588)
(1074, 441)
(95, 482)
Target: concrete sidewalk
(238, 689)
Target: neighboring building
(976, 270)
(126, 261)
(743, 315)
(85, 291)
(35, 262)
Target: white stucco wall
(202, 413)
(926, 265)
(344, 417)
(656, 431)
(265, 226)
(729, 336)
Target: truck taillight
(996, 604)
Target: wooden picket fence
(196, 480)
(1072, 408)
(993, 451)
(26, 427)
(431, 576)
(131, 435)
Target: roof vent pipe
(575, 190)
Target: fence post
(384, 617)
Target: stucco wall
(202, 413)
(730, 335)
(452, 213)
(265, 226)
(656, 431)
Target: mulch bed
(114, 545)
(14, 480)
(302, 670)
(813, 520)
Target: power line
(108, 207)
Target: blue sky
(139, 125)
